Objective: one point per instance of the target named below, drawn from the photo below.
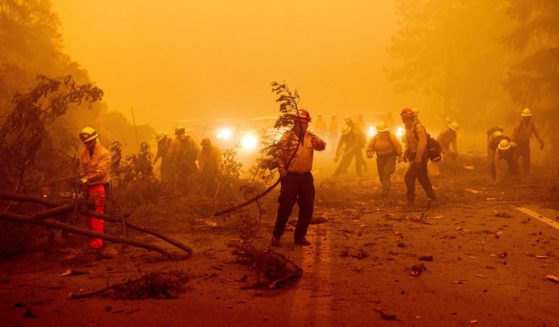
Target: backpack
(433, 148)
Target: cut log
(22, 219)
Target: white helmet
(526, 112)
(504, 145)
(88, 134)
(453, 126)
(381, 127)
(160, 135)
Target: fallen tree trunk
(28, 198)
(58, 209)
(166, 238)
(22, 219)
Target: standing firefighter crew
(163, 145)
(521, 136)
(350, 146)
(210, 162)
(416, 154)
(95, 170)
(294, 159)
(388, 149)
(182, 156)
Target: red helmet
(303, 115)
(407, 113)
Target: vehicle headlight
(249, 141)
(400, 132)
(224, 133)
(372, 131)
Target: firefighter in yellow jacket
(388, 149)
(95, 176)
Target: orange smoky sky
(212, 59)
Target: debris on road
(72, 272)
(417, 270)
(155, 285)
(386, 316)
(552, 278)
(502, 214)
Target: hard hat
(160, 135)
(407, 113)
(504, 145)
(497, 133)
(180, 130)
(453, 126)
(206, 141)
(381, 127)
(144, 146)
(88, 134)
(526, 112)
(303, 115)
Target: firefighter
(182, 155)
(116, 156)
(506, 153)
(493, 143)
(163, 145)
(297, 183)
(416, 154)
(448, 140)
(320, 127)
(350, 146)
(333, 129)
(143, 163)
(210, 160)
(388, 149)
(94, 172)
(491, 151)
(521, 136)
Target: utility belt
(411, 155)
(299, 174)
(106, 187)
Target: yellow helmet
(526, 112)
(453, 126)
(88, 134)
(381, 127)
(497, 133)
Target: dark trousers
(523, 150)
(385, 168)
(345, 162)
(418, 171)
(300, 188)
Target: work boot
(432, 203)
(275, 241)
(409, 205)
(302, 241)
